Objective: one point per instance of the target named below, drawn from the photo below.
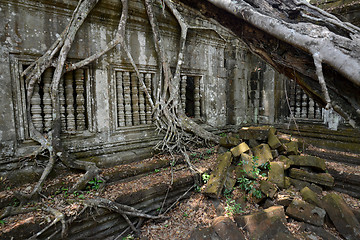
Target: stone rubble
(289, 171)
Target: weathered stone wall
(233, 86)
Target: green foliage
(157, 170)
(93, 184)
(2, 222)
(232, 207)
(185, 214)
(250, 185)
(222, 134)
(205, 177)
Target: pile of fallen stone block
(291, 186)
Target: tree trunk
(301, 41)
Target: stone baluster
(292, 96)
(62, 104)
(183, 92)
(311, 108)
(69, 96)
(318, 114)
(148, 106)
(298, 102)
(80, 99)
(127, 99)
(142, 101)
(135, 99)
(36, 111)
(120, 99)
(47, 99)
(197, 97)
(304, 109)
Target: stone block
(315, 188)
(239, 149)
(324, 179)
(253, 143)
(319, 231)
(306, 212)
(203, 233)
(342, 216)
(262, 153)
(284, 200)
(291, 148)
(276, 174)
(218, 176)
(287, 162)
(309, 196)
(287, 182)
(246, 167)
(229, 141)
(308, 161)
(259, 133)
(275, 153)
(268, 188)
(298, 184)
(273, 141)
(225, 228)
(266, 224)
(230, 180)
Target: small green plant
(185, 214)
(93, 184)
(128, 237)
(205, 177)
(157, 170)
(2, 222)
(232, 207)
(197, 188)
(222, 134)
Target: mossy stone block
(306, 212)
(273, 141)
(287, 162)
(309, 196)
(324, 179)
(262, 154)
(308, 161)
(218, 176)
(341, 216)
(277, 174)
(229, 141)
(246, 167)
(292, 148)
(268, 188)
(239, 149)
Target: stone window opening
(74, 96)
(190, 94)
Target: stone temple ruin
(105, 116)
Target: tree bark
(301, 41)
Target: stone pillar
(69, 96)
(120, 99)
(318, 114)
(183, 92)
(142, 100)
(80, 99)
(148, 106)
(127, 99)
(36, 111)
(47, 99)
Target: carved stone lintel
(135, 99)
(127, 99)
(47, 99)
(120, 99)
(80, 99)
(148, 106)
